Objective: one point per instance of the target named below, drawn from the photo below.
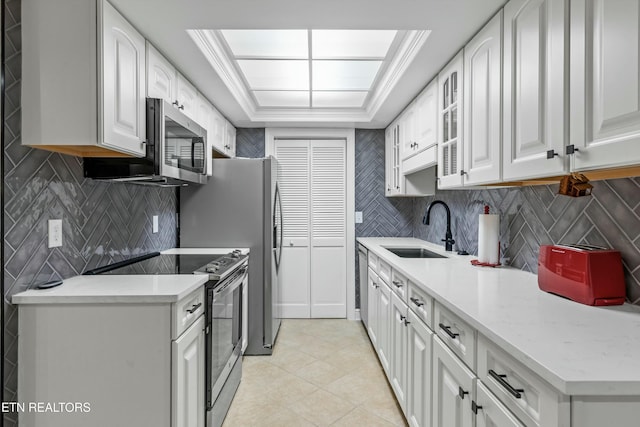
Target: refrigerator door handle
(277, 227)
(280, 226)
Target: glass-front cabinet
(393, 153)
(450, 124)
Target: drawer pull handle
(475, 407)
(447, 330)
(397, 283)
(461, 393)
(416, 301)
(193, 308)
(515, 392)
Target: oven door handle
(234, 281)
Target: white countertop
(578, 349)
(145, 288)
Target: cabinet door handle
(447, 330)
(461, 393)
(551, 154)
(402, 318)
(193, 308)
(176, 103)
(475, 407)
(416, 301)
(181, 107)
(397, 283)
(570, 149)
(501, 378)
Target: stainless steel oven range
(223, 333)
(223, 316)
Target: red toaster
(586, 274)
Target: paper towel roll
(488, 235)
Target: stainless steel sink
(414, 253)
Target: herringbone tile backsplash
(534, 216)
(250, 142)
(102, 223)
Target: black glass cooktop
(158, 264)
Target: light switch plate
(155, 223)
(358, 217)
(55, 233)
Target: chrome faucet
(448, 238)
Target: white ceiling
(452, 22)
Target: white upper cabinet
(450, 138)
(408, 131)
(91, 103)
(204, 117)
(418, 125)
(605, 83)
(123, 86)
(394, 182)
(230, 140)
(219, 131)
(165, 81)
(534, 113)
(161, 76)
(426, 127)
(483, 100)
(186, 97)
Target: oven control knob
(212, 269)
(235, 255)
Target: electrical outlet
(155, 223)
(358, 217)
(55, 233)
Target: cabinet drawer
(421, 304)
(384, 271)
(399, 284)
(373, 261)
(186, 311)
(529, 397)
(456, 333)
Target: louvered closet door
(328, 229)
(294, 182)
(312, 179)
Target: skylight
(310, 68)
(304, 75)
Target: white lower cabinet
(187, 359)
(372, 301)
(453, 376)
(419, 343)
(384, 324)
(453, 389)
(398, 357)
(490, 412)
(134, 363)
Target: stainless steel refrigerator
(240, 207)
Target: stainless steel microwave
(176, 152)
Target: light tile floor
(323, 372)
